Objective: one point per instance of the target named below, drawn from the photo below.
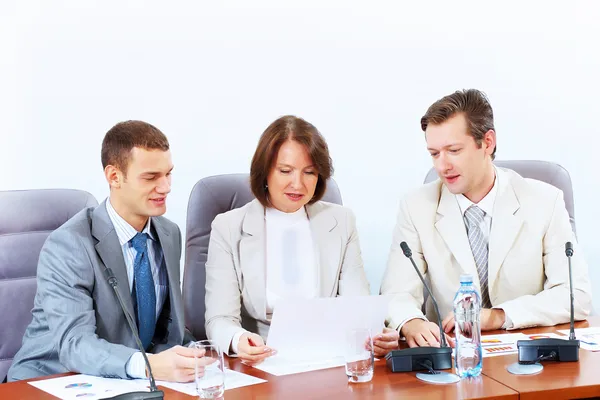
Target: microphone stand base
(525, 369)
(438, 377)
(158, 394)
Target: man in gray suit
(78, 324)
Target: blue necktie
(144, 289)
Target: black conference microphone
(533, 351)
(421, 358)
(154, 393)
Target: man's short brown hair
(285, 128)
(124, 136)
(475, 106)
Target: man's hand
(491, 319)
(384, 342)
(448, 323)
(252, 350)
(421, 333)
(178, 364)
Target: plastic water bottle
(467, 329)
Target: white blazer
(236, 265)
(528, 275)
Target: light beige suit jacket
(235, 268)
(528, 272)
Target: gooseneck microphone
(569, 254)
(421, 358)
(408, 253)
(154, 393)
(534, 351)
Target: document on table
(88, 387)
(311, 334)
(233, 380)
(503, 344)
(589, 338)
(500, 345)
(75, 387)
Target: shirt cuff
(508, 324)
(236, 340)
(136, 366)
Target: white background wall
(213, 75)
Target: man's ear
(489, 142)
(113, 176)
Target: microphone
(569, 254)
(534, 351)
(154, 393)
(421, 358)
(408, 253)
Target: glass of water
(211, 383)
(359, 357)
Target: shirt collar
(125, 232)
(486, 204)
(274, 214)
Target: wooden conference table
(556, 381)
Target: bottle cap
(466, 278)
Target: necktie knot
(474, 213)
(140, 242)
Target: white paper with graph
(504, 344)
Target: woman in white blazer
(285, 243)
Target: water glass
(359, 357)
(211, 383)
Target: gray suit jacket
(77, 323)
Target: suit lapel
(451, 227)
(328, 248)
(505, 226)
(109, 250)
(252, 257)
(169, 252)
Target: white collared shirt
(136, 367)
(486, 205)
(291, 264)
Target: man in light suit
(78, 324)
(508, 232)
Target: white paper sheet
(503, 344)
(233, 380)
(83, 386)
(589, 338)
(279, 366)
(311, 334)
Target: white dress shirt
(136, 367)
(486, 205)
(291, 264)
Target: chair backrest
(545, 171)
(212, 196)
(27, 217)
